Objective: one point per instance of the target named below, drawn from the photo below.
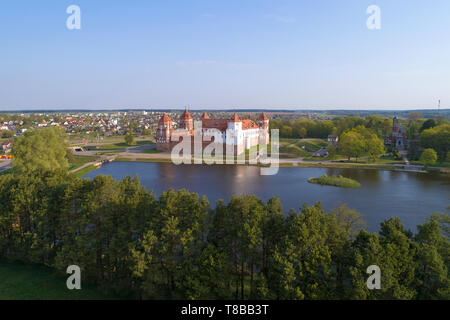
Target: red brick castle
(240, 134)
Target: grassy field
(78, 161)
(443, 164)
(292, 151)
(30, 282)
(122, 145)
(297, 148)
(335, 181)
(84, 171)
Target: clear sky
(210, 54)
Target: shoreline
(288, 163)
(164, 157)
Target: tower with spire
(164, 132)
(263, 124)
(186, 121)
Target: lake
(384, 194)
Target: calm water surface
(384, 194)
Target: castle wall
(234, 136)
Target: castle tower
(263, 124)
(205, 116)
(163, 133)
(395, 126)
(186, 121)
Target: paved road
(5, 165)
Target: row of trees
(128, 241)
(305, 128)
(438, 139)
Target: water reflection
(383, 194)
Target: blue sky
(210, 54)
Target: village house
(6, 146)
(320, 153)
(333, 140)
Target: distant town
(390, 139)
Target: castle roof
(165, 118)
(263, 116)
(235, 118)
(249, 124)
(222, 124)
(205, 116)
(186, 115)
(219, 124)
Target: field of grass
(335, 181)
(292, 151)
(84, 171)
(29, 282)
(444, 164)
(297, 148)
(312, 145)
(122, 145)
(78, 161)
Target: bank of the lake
(383, 194)
(298, 163)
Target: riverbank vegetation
(335, 181)
(82, 172)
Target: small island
(335, 181)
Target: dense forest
(130, 242)
(176, 246)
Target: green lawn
(78, 161)
(85, 170)
(444, 164)
(123, 145)
(30, 282)
(295, 148)
(292, 151)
